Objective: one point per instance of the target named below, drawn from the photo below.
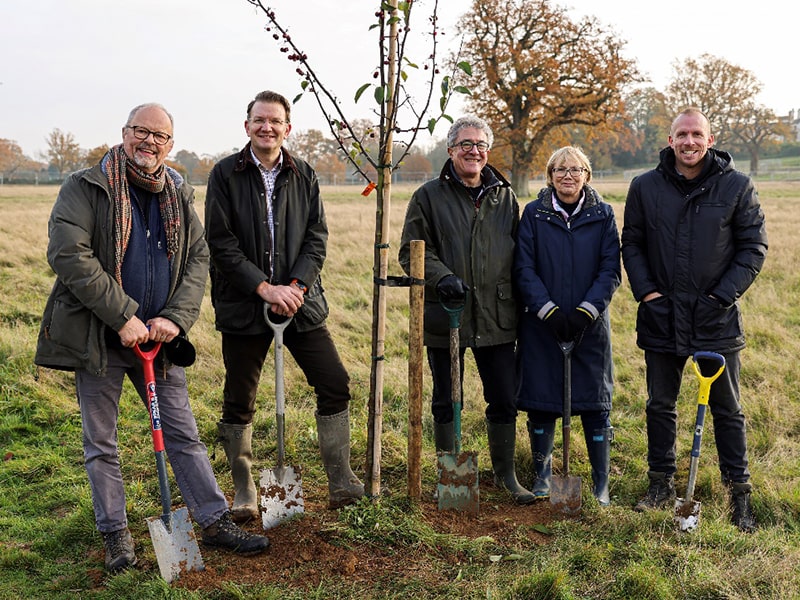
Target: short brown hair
(274, 97)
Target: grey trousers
(98, 398)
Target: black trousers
(664, 374)
(315, 354)
(497, 370)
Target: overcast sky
(80, 65)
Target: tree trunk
(416, 300)
(520, 180)
(753, 163)
(380, 270)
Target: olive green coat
(477, 245)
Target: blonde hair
(561, 155)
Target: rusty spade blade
(458, 471)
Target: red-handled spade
(173, 537)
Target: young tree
(647, 125)
(63, 152)
(190, 162)
(396, 112)
(536, 70)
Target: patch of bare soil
(304, 550)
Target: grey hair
(467, 122)
(136, 109)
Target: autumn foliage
(537, 71)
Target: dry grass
(637, 555)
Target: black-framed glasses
(142, 133)
(574, 171)
(468, 145)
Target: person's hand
(558, 323)
(284, 300)
(162, 329)
(579, 319)
(134, 332)
(451, 287)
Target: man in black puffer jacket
(693, 241)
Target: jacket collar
(244, 158)
(490, 177)
(590, 197)
(717, 161)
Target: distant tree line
(542, 80)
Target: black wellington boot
(502, 440)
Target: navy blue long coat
(566, 264)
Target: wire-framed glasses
(574, 171)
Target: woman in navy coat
(566, 268)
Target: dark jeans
(496, 367)
(315, 354)
(664, 374)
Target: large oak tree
(727, 94)
(535, 70)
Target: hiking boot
(227, 534)
(660, 494)
(119, 550)
(741, 510)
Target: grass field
(50, 549)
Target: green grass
(50, 549)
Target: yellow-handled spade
(687, 510)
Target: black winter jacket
(238, 239)
(701, 250)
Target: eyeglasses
(574, 171)
(260, 122)
(142, 133)
(467, 146)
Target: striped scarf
(120, 171)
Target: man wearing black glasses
(468, 219)
(131, 264)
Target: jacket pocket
(715, 322)
(436, 320)
(238, 315)
(655, 320)
(69, 327)
(506, 306)
(315, 308)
